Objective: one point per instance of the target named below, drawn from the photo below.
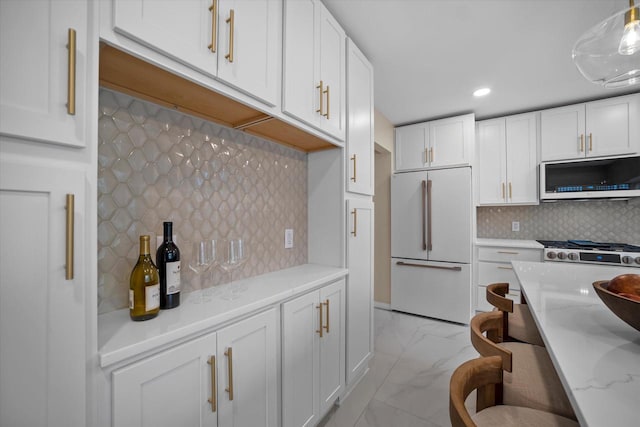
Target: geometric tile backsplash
(598, 220)
(156, 165)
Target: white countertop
(596, 354)
(120, 338)
(512, 243)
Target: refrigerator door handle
(424, 214)
(440, 267)
(429, 241)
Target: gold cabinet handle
(229, 354)
(355, 223)
(69, 237)
(319, 307)
(505, 268)
(213, 400)
(590, 142)
(326, 327)
(71, 73)
(426, 155)
(328, 93)
(503, 196)
(230, 20)
(582, 143)
(214, 25)
(508, 252)
(510, 191)
(320, 87)
(432, 156)
(353, 159)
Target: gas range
(586, 251)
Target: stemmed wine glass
(233, 254)
(203, 257)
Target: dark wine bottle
(168, 261)
(144, 289)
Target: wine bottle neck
(168, 231)
(144, 246)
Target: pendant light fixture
(608, 54)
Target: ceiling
(430, 55)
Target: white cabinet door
(332, 72)
(359, 287)
(183, 30)
(411, 147)
(451, 140)
(521, 152)
(613, 126)
(172, 388)
(450, 212)
(248, 367)
(408, 211)
(301, 98)
(35, 88)
(332, 345)
(360, 170)
(250, 45)
(492, 162)
(562, 133)
(42, 315)
(301, 361)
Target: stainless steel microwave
(617, 177)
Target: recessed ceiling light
(482, 91)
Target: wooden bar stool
(485, 375)
(530, 379)
(518, 322)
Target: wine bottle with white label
(144, 285)
(168, 261)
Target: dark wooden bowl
(625, 308)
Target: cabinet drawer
(507, 254)
(481, 298)
(491, 272)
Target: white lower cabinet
(225, 378)
(313, 363)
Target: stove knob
(562, 255)
(573, 256)
(638, 260)
(627, 260)
(551, 255)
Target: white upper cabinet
(607, 127)
(360, 122)
(507, 163)
(440, 143)
(43, 88)
(237, 41)
(314, 67)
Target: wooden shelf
(127, 74)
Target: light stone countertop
(120, 338)
(596, 354)
(512, 243)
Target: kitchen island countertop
(596, 354)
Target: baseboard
(382, 305)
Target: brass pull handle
(508, 252)
(230, 20)
(510, 191)
(429, 239)
(214, 25)
(320, 87)
(69, 249)
(213, 400)
(426, 155)
(424, 215)
(326, 327)
(438, 267)
(71, 74)
(319, 307)
(503, 196)
(582, 143)
(590, 142)
(229, 354)
(432, 156)
(355, 223)
(328, 103)
(353, 159)
(505, 268)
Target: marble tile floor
(408, 381)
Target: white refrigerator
(431, 223)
